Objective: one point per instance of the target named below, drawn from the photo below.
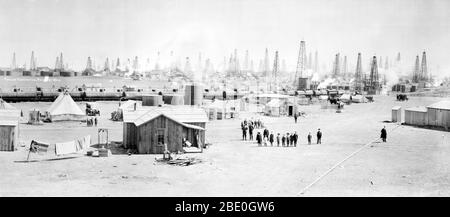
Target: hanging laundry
(66, 148)
(83, 143)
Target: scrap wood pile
(180, 161)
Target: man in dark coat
(258, 138)
(271, 139)
(295, 139)
(309, 138)
(283, 140)
(383, 134)
(278, 140)
(244, 132)
(295, 117)
(319, 137)
(266, 133)
(250, 131)
(287, 139)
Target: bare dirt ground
(414, 161)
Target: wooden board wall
(8, 138)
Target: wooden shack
(416, 116)
(438, 114)
(397, 114)
(9, 129)
(149, 128)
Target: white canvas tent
(359, 99)
(273, 108)
(5, 105)
(128, 105)
(345, 97)
(65, 109)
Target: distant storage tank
(152, 100)
(193, 94)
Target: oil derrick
(301, 61)
(230, 64)
(206, 70)
(172, 66)
(374, 79)
(187, 66)
(14, 64)
(199, 63)
(397, 61)
(358, 75)
(106, 68)
(416, 72)
(423, 68)
(316, 62)
(386, 64)
(57, 64)
(157, 66)
(310, 61)
(135, 64)
(224, 64)
(32, 61)
(275, 73)
(261, 66)
(336, 66)
(245, 66)
(61, 62)
(237, 68)
(89, 63)
(117, 64)
(266, 64)
(344, 66)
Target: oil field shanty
(280, 113)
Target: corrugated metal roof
(417, 109)
(445, 105)
(182, 114)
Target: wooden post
(29, 150)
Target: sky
(124, 29)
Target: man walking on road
(295, 117)
(383, 134)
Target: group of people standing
(250, 126)
(285, 140)
(91, 121)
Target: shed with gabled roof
(148, 129)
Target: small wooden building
(416, 116)
(9, 127)
(149, 128)
(397, 114)
(439, 114)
